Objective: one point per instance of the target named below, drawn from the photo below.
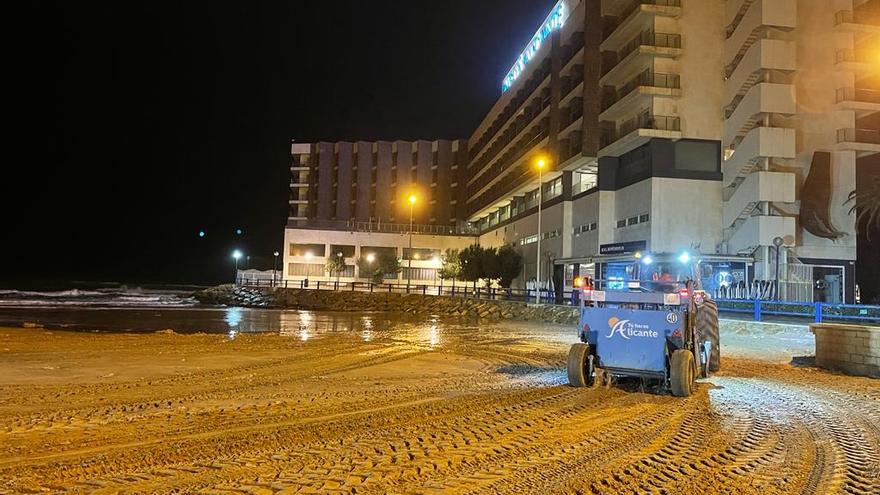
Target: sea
(120, 308)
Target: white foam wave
(112, 298)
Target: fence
(460, 290)
(758, 309)
(817, 311)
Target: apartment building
(721, 127)
(801, 112)
(624, 99)
(353, 199)
(728, 128)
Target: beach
(377, 404)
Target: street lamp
(236, 255)
(777, 242)
(338, 255)
(275, 267)
(308, 256)
(412, 202)
(539, 164)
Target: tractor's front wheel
(580, 366)
(681, 373)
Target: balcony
(758, 231)
(852, 60)
(389, 228)
(761, 100)
(637, 54)
(638, 16)
(751, 21)
(777, 187)
(638, 93)
(536, 109)
(863, 102)
(765, 55)
(863, 141)
(536, 139)
(509, 144)
(847, 21)
(758, 144)
(638, 131)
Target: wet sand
(412, 407)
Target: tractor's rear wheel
(580, 366)
(681, 373)
(707, 330)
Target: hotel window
(632, 220)
(528, 240)
(644, 218)
(621, 224)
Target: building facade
(728, 128)
(353, 199)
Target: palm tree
(866, 206)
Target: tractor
(652, 326)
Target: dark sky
(136, 124)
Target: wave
(110, 298)
(59, 293)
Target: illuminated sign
(553, 22)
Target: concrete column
(592, 73)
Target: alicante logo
(628, 329)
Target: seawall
(327, 300)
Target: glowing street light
(371, 258)
(236, 255)
(540, 163)
(275, 266)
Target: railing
(548, 296)
(758, 309)
(868, 136)
(658, 122)
(648, 38)
(636, 5)
(850, 55)
(646, 78)
(389, 228)
(860, 95)
(817, 311)
(848, 17)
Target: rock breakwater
(326, 300)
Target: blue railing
(817, 311)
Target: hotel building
(719, 127)
(352, 199)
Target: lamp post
(437, 265)
(338, 255)
(275, 267)
(236, 255)
(308, 266)
(412, 202)
(370, 259)
(540, 165)
(777, 242)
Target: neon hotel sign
(553, 22)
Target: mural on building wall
(815, 214)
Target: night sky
(137, 124)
